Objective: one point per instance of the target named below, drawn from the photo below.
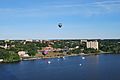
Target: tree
(9, 56)
(90, 50)
(31, 48)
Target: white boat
(83, 57)
(49, 62)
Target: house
(1, 60)
(23, 54)
(48, 48)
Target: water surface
(100, 67)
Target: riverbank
(41, 56)
(61, 56)
(53, 55)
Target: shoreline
(46, 57)
(49, 57)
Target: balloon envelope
(60, 25)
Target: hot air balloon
(60, 25)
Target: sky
(39, 19)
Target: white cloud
(89, 9)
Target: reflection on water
(99, 67)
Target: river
(99, 67)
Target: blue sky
(38, 19)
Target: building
(48, 48)
(23, 54)
(83, 40)
(92, 44)
(6, 46)
(29, 40)
(1, 60)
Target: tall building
(92, 44)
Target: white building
(23, 54)
(29, 40)
(83, 40)
(77, 47)
(92, 44)
(6, 46)
(1, 60)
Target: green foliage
(68, 43)
(9, 56)
(112, 46)
(60, 44)
(90, 50)
(75, 51)
(29, 47)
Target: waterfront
(99, 67)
